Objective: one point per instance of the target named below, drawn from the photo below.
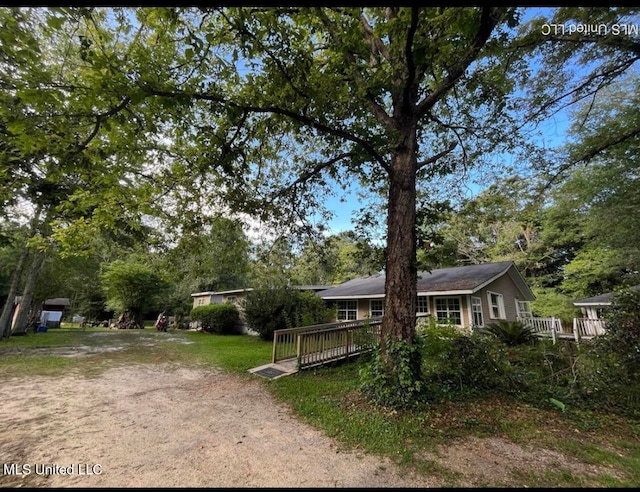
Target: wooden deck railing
(588, 328)
(552, 327)
(543, 325)
(317, 344)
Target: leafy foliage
(269, 309)
(395, 379)
(220, 319)
(610, 370)
(132, 287)
(335, 259)
(511, 332)
(457, 364)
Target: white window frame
(345, 307)
(499, 305)
(523, 308)
(476, 309)
(379, 311)
(426, 302)
(448, 310)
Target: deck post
(345, 336)
(273, 352)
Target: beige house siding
(211, 298)
(363, 308)
(503, 285)
(510, 294)
(235, 298)
(203, 300)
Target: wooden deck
(300, 348)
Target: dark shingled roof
(463, 278)
(57, 301)
(602, 298)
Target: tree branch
(305, 120)
(434, 158)
(410, 83)
(488, 20)
(591, 154)
(311, 173)
(99, 118)
(378, 111)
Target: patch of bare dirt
(152, 426)
(158, 426)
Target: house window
(476, 311)
(448, 310)
(496, 306)
(376, 307)
(422, 305)
(347, 310)
(200, 301)
(524, 309)
(230, 299)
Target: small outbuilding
(52, 311)
(592, 307)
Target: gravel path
(153, 426)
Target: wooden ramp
(276, 370)
(299, 348)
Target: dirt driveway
(164, 426)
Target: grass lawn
(328, 399)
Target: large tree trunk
(22, 320)
(399, 319)
(8, 309)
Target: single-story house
(469, 296)
(217, 297)
(592, 307)
(237, 295)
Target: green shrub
(395, 381)
(221, 319)
(510, 333)
(455, 363)
(267, 310)
(609, 368)
(544, 371)
(311, 310)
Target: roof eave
(595, 303)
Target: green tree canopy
(132, 288)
